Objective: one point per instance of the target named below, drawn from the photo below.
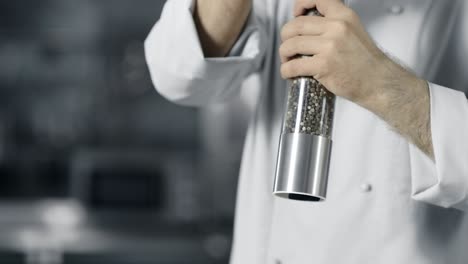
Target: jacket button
(366, 187)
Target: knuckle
(341, 27)
(320, 2)
(293, 28)
(296, 44)
(332, 46)
(299, 24)
(299, 20)
(287, 48)
(322, 66)
(284, 71)
(351, 16)
(282, 49)
(295, 67)
(300, 3)
(285, 31)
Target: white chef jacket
(387, 202)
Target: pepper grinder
(305, 142)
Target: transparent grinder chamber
(305, 143)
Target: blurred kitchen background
(95, 166)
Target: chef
(398, 182)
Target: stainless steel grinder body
(305, 142)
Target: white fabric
(408, 216)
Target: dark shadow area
(95, 165)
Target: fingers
(303, 26)
(335, 9)
(302, 45)
(323, 37)
(325, 7)
(304, 66)
(315, 26)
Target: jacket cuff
(443, 182)
(184, 40)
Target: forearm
(403, 101)
(348, 63)
(219, 23)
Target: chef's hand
(349, 64)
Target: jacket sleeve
(444, 182)
(178, 68)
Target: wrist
(219, 24)
(403, 101)
(394, 86)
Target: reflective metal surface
(302, 167)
